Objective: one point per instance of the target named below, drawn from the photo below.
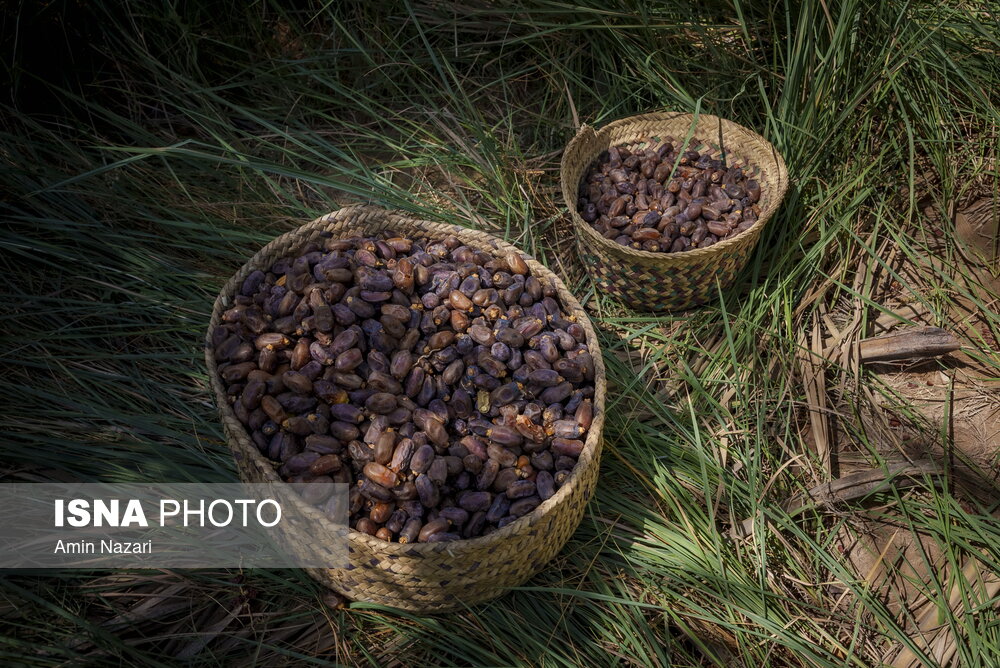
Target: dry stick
(912, 342)
(853, 486)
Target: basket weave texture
(650, 281)
(423, 577)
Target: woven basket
(671, 281)
(424, 577)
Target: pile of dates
(445, 384)
(637, 199)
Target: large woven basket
(671, 281)
(425, 577)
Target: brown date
(444, 383)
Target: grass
(184, 137)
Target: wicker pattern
(424, 577)
(671, 281)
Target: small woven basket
(671, 281)
(424, 577)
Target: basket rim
(778, 190)
(592, 444)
